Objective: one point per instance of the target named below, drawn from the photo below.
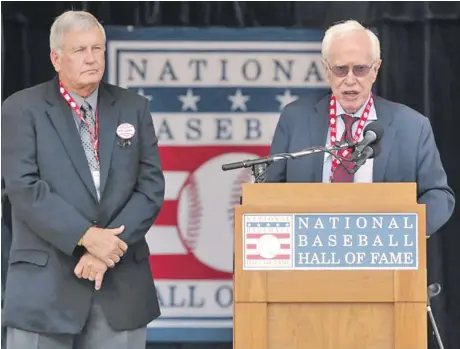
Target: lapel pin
(126, 131)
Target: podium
(330, 266)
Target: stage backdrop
(215, 97)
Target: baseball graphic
(205, 210)
(268, 246)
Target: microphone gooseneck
(367, 148)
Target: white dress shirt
(365, 173)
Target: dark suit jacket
(54, 202)
(408, 152)
(6, 236)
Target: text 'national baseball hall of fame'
(330, 241)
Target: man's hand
(91, 268)
(104, 244)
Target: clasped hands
(103, 250)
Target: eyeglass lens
(358, 70)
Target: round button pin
(126, 131)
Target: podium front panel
(297, 286)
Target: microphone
(370, 152)
(247, 163)
(433, 291)
(372, 133)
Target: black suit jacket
(54, 202)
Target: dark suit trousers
(95, 335)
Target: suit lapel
(108, 122)
(385, 117)
(63, 121)
(318, 132)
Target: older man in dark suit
(83, 174)
(351, 59)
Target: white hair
(346, 27)
(72, 20)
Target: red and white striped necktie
(341, 174)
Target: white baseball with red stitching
(194, 211)
(206, 210)
(244, 176)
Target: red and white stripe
(252, 240)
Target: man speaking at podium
(407, 151)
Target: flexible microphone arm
(259, 165)
(373, 132)
(267, 160)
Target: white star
(286, 98)
(140, 92)
(189, 100)
(238, 101)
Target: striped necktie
(340, 174)
(86, 136)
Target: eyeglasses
(358, 70)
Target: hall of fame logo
(267, 241)
(212, 102)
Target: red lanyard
(93, 133)
(333, 128)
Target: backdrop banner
(215, 97)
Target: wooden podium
(348, 308)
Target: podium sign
(356, 241)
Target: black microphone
(370, 152)
(372, 133)
(247, 163)
(434, 290)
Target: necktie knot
(87, 112)
(85, 108)
(348, 120)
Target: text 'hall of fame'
(332, 241)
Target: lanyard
(93, 133)
(333, 128)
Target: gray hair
(343, 28)
(72, 20)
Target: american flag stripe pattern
(278, 232)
